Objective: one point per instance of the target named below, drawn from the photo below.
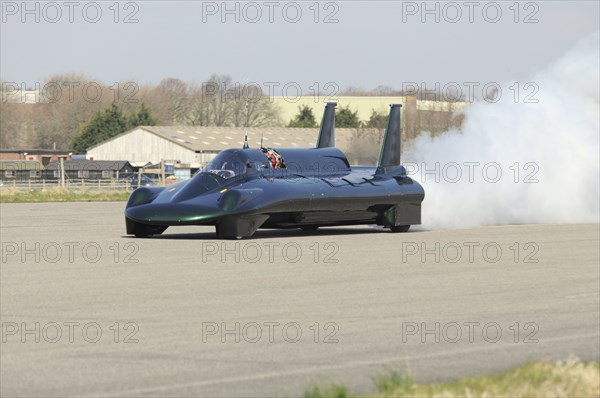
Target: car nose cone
(168, 213)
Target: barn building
(196, 146)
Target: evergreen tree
(346, 118)
(104, 125)
(142, 118)
(304, 118)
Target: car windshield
(226, 165)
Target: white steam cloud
(554, 141)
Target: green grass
(9, 195)
(329, 391)
(394, 382)
(570, 378)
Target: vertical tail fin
(327, 132)
(390, 150)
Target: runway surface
(186, 314)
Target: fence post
(62, 172)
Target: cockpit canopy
(232, 163)
(226, 164)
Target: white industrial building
(196, 146)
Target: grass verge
(9, 195)
(570, 378)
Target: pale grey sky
(372, 43)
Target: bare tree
(254, 108)
(197, 109)
(15, 132)
(168, 101)
(66, 102)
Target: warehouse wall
(141, 146)
(363, 105)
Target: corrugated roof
(140, 164)
(209, 139)
(219, 138)
(35, 151)
(90, 165)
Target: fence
(48, 179)
(88, 184)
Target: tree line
(75, 112)
(72, 111)
(68, 110)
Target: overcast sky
(365, 43)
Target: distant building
(44, 156)
(91, 169)
(365, 105)
(196, 146)
(20, 170)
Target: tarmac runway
(88, 311)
